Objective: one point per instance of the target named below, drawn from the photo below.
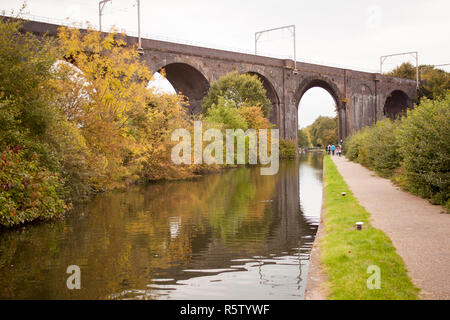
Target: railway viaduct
(361, 98)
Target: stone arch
(333, 90)
(396, 104)
(320, 82)
(271, 94)
(188, 81)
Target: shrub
(353, 144)
(288, 149)
(375, 147)
(27, 192)
(424, 143)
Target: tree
(324, 131)
(25, 111)
(113, 85)
(243, 89)
(405, 70)
(303, 140)
(226, 113)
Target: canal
(232, 235)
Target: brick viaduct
(361, 98)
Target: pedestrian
(328, 149)
(339, 150)
(333, 148)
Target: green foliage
(288, 149)
(354, 143)
(424, 143)
(303, 140)
(347, 253)
(243, 89)
(27, 192)
(405, 70)
(227, 113)
(375, 147)
(434, 82)
(25, 109)
(323, 131)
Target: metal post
(415, 53)
(100, 16)
(291, 28)
(417, 71)
(101, 5)
(295, 53)
(140, 50)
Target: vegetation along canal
(232, 235)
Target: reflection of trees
(123, 240)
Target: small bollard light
(344, 194)
(359, 225)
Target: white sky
(346, 33)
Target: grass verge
(347, 253)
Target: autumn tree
(303, 140)
(243, 89)
(324, 131)
(102, 95)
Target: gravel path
(418, 229)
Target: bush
(375, 147)
(352, 145)
(288, 149)
(27, 193)
(424, 143)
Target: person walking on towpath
(339, 150)
(333, 148)
(328, 149)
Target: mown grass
(347, 253)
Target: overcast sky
(350, 33)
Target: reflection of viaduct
(361, 98)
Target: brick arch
(396, 104)
(333, 90)
(271, 94)
(321, 82)
(188, 81)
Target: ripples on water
(233, 235)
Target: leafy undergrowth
(347, 253)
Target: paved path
(418, 230)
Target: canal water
(232, 235)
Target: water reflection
(234, 235)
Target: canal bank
(348, 256)
(316, 288)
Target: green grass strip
(346, 253)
